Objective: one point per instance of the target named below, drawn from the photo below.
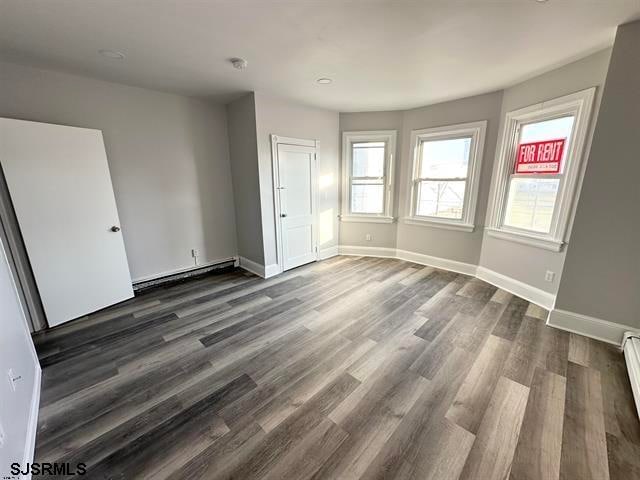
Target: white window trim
(387, 136)
(579, 104)
(477, 132)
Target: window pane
(531, 203)
(445, 158)
(549, 130)
(367, 198)
(368, 159)
(441, 199)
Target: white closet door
(61, 190)
(296, 169)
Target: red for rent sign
(540, 157)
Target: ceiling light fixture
(238, 63)
(324, 81)
(111, 54)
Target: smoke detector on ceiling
(238, 63)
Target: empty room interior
(320, 239)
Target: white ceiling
(380, 54)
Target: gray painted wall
(241, 116)
(168, 157)
(450, 244)
(281, 117)
(601, 276)
(438, 242)
(382, 234)
(522, 262)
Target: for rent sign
(540, 157)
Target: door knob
(283, 215)
(115, 229)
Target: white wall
(525, 263)
(281, 117)
(168, 157)
(19, 408)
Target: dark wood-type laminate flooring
(347, 368)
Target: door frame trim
(275, 172)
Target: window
(538, 170)
(368, 176)
(446, 174)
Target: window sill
(461, 227)
(366, 218)
(531, 240)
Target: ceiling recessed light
(238, 63)
(111, 54)
(324, 81)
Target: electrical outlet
(367, 237)
(195, 253)
(549, 276)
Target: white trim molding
(578, 105)
(532, 294)
(631, 349)
(424, 222)
(525, 239)
(251, 266)
(366, 218)
(383, 252)
(328, 252)
(257, 268)
(389, 138)
(420, 258)
(591, 327)
(518, 288)
(437, 262)
(476, 131)
(272, 270)
(30, 446)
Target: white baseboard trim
(529, 293)
(257, 268)
(532, 294)
(437, 262)
(631, 348)
(591, 327)
(328, 252)
(356, 250)
(178, 271)
(30, 445)
(272, 270)
(251, 266)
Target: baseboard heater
(631, 348)
(222, 265)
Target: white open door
(59, 182)
(295, 175)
